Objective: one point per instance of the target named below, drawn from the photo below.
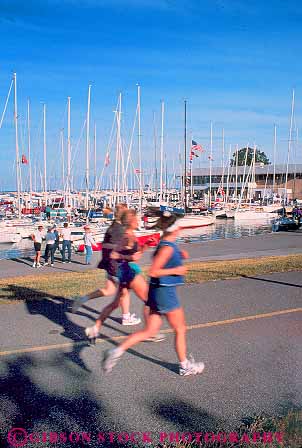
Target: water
(220, 230)
(223, 229)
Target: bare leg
(176, 319)
(152, 328)
(140, 287)
(38, 256)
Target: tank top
(173, 262)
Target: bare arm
(161, 258)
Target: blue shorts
(127, 272)
(162, 299)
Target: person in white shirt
(66, 235)
(50, 246)
(37, 238)
(88, 242)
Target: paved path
(255, 246)
(247, 331)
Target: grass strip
(78, 283)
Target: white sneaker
(52, 265)
(131, 320)
(192, 368)
(38, 265)
(157, 338)
(34, 265)
(110, 358)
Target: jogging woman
(112, 238)
(129, 273)
(166, 273)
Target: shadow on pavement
(277, 282)
(32, 401)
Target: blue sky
(236, 62)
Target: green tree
(261, 157)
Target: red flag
(137, 171)
(107, 159)
(24, 159)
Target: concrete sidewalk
(227, 249)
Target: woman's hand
(114, 255)
(184, 254)
(180, 270)
(136, 256)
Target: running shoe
(34, 265)
(39, 265)
(92, 333)
(192, 368)
(157, 338)
(110, 358)
(52, 265)
(131, 320)
(76, 304)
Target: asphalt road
(282, 243)
(247, 331)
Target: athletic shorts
(37, 247)
(127, 272)
(162, 299)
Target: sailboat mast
(87, 150)
(161, 150)
(29, 154)
(211, 156)
(275, 149)
(289, 141)
(185, 161)
(139, 146)
(68, 153)
(44, 153)
(17, 148)
(95, 177)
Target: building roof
(279, 169)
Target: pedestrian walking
(112, 238)
(88, 242)
(50, 246)
(37, 238)
(166, 273)
(66, 235)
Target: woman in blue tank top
(166, 273)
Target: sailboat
(191, 220)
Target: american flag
(196, 146)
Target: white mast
(211, 154)
(87, 151)
(63, 161)
(17, 148)
(95, 178)
(29, 154)
(139, 146)
(275, 149)
(227, 185)
(44, 152)
(289, 140)
(68, 153)
(161, 150)
(236, 173)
